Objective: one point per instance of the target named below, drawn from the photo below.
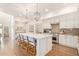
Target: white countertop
(37, 35)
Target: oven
(55, 38)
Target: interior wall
(4, 20)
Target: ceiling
(20, 9)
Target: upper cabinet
(54, 20)
(76, 21)
(69, 21)
(38, 28)
(47, 26)
(66, 22)
(63, 22)
(35, 27)
(20, 27)
(31, 28)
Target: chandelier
(36, 15)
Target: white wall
(4, 19)
(7, 20)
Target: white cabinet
(31, 28)
(69, 21)
(78, 47)
(76, 20)
(68, 40)
(46, 25)
(66, 23)
(62, 39)
(35, 27)
(63, 22)
(38, 28)
(76, 41)
(49, 44)
(20, 26)
(44, 45)
(56, 19)
(76, 23)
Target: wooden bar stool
(19, 39)
(25, 41)
(31, 46)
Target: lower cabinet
(44, 45)
(78, 46)
(62, 39)
(68, 40)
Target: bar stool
(19, 40)
(24, 42)
(31, 46)
(16, 37)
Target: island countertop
(35, 35)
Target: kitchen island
(44, 42)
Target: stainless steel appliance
(55, 38)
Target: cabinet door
(63, 22)
(75, 41)
(67, 21)
(70, 23)
(49, 43)
(62, 39)
(38, 28)
(76, 23)
(42, 46)
(70, 41)
(31, 28)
